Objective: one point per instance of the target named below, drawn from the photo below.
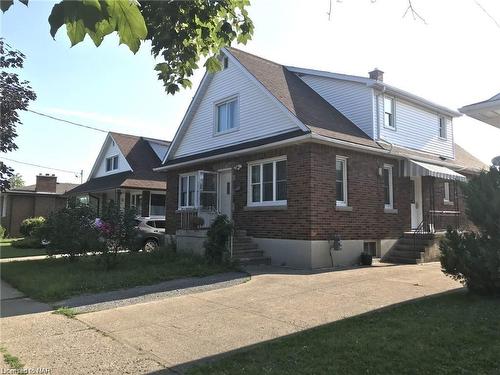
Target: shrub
(366, 259)
(473, 258)
(2, 232)
(216, 245)
(31, 225)
(27, 243)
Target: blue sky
(452, 59)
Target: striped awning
(418, 168)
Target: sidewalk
(13, 302)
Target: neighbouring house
(487, 111)
(123, 173)
(46, 196)
(314, 167)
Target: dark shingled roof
(301, 100)
(141, 158)
(61, 188)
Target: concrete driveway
(173, 332)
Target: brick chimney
(46, 183)
(377, 75)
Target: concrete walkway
(13, 302)
(174, 332)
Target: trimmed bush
(473, 258)
(27, 243)
(216, 246)
(31, 225)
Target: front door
(416, 201)
(225, 200)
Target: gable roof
(307, 105)
(142, 159)
(487, 111)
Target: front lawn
(56, 279)
(8, 251)
(451, 334)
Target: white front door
(225, 196)
(416, 201)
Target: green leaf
(213, 64)
(56, 18)
(5, 5)
(129, 23)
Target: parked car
(151, 233)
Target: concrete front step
(248, 253)
(422, 236)
(407, 254)
(255, 260)
(410, 247)
(393, 259)
(418, 241)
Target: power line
(41, 166)
(67, 121)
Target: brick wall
(311, 213)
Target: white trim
(390, 168)
(265, 90)
(392, 125)
(226, 100)
(343, 159)
(446, 198)
(179, 192)
(260, 163)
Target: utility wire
(40, 166)
(67, 121)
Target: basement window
(370, 247)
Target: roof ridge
(256, 56)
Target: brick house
(123, 172)
(46, 196)
(303, 160)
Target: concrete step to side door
(248, 253)
(255, 260)
(422, 236)
(406, 254)
(402, 246)
(418, 241)
(393, 259)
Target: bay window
(267, 182)
(198, 190)
(187, 191)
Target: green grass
(10, 360)
(56, 279)
(450, 334)
(8, 251)
(66, 311)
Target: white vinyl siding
(259, 115)
(352, 99)
(416, 128)
(111, 150)
(267, 182)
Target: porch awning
(418, 168)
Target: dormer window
(112, 163)
(226, 115)
(442, 127)
(389, 112)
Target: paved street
(175, 331)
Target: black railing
(436, 221)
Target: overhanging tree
(15, 95)
(181, 32)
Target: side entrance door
(416, 201)
(225, 195)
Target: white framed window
(112, 163)
(226, 115)
(341, 181)
(388, 187)
(157, 204)
(267, 182)
(389, 111)
(447, 192)
(187, 190)
(136, 202)
(442, 127)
